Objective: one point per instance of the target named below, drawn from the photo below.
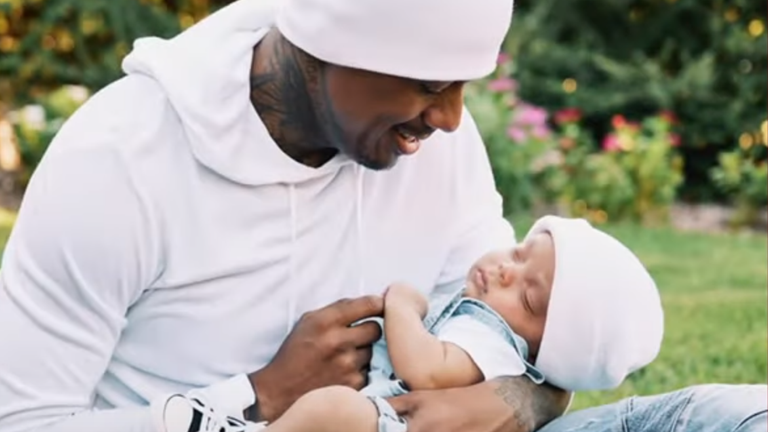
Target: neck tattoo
(283, 83)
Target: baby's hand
(400, 295)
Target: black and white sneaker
(192, 413)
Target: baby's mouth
(480, 280)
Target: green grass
(716, 309)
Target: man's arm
(510, 404)
(419, 358)
(532, 405)
(79, 255)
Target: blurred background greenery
(621, 111)
(699, 65)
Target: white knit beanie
(605, 318)
(439, 40)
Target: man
(188, 215)
(195, 226)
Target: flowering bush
(635, 176)
(588, 184)
(745, 180)
(646, 152)
(521, 146)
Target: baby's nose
(507, 273)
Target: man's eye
(434, 87)
(428, 89)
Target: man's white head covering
(605, 318)
(440, 40)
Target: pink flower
(674, 140)
(501, 85)
(517, 134)
(503, 58)
(540, 131)
(568, 115)
(531, 115)
(611, 143)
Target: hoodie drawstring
(292, 259)
(359, 224)
(292, 292)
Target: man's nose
(445, 112)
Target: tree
(47, 43)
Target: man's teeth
(408, 137)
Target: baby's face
(517, 284)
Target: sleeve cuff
(232, 396)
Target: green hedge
(47, 43)
(704, 60)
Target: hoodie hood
(205, 74)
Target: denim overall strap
(441, 308)
(460, 305)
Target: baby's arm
(420, 359)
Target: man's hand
(500, 405)
(322, 350)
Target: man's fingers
(363, 334)
(363, 358)
(348, 311)
(403, 405)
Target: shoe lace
(211, 421)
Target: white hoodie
(166, 243)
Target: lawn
(716, 305)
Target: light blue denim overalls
(382, 382)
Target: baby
(570, 305)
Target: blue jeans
(702, 408)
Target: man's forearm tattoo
(533, 405)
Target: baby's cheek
(512, 314)
(538, 331)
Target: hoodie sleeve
(81, 252)
(479, 222)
